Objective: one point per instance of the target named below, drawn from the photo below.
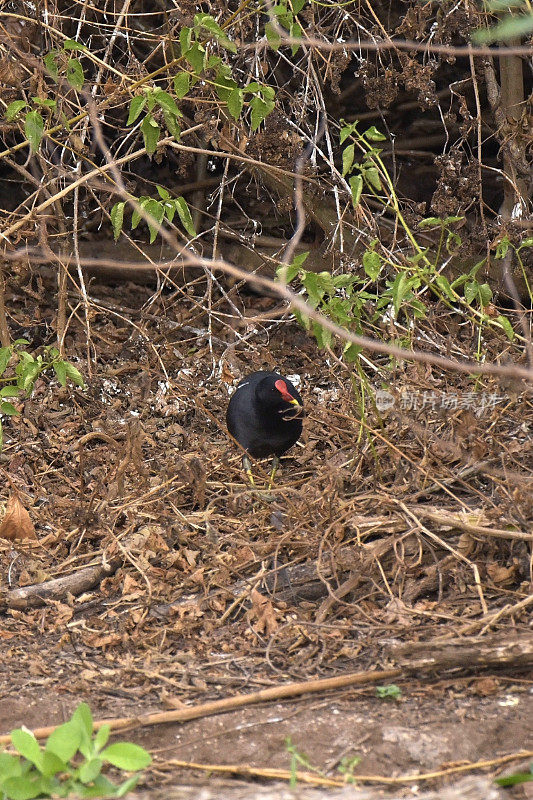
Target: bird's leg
(247, 467)
(275, 465)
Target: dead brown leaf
(500, 574)
(262, 613)
(16, 523)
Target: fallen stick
(231, 703)
(453, 655)
(76, 583)
(322, 780)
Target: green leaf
(24, 787)
(13, 109)
(431, 222)
(400, 288)
(181, 84)
(322, 335)
(507, 327)
(348, 155)
(90, 770)
(64, 740)
(371, 176)
(196, 57)
(9, 765)
(453, 241)
(44, 102)
(295, 32)
(83, 718)
(268, 92)
(185, 40)
(127, 786)
(372, 264)
(167, 102)
(351, 352)
(71, 44)
(156, 210)
(509, 28)
(272, 36)
(117, 220)
(347, 130)
(286, 273)
(9, 391)
(8, 409)
(51, 64)
(444, 285)
(52, 764)
(172, 124)
(136, 106)
(235, 103)
(391, 690)
(313, 287)
(136, 216)
(485, 294)
(356, 188)
(471, 290)
(126, 755)
(224, 83)
(373, 135)
(150, 131)
(170, 209)
(297, 5)
(185, 215)
(209, 24)
(259, 112)
(27, 745)
(34, 129)
(502, 247)
(5, 356)
(514, 780)
(163, 193)
(101, 738)
(75, 74)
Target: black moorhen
(265, 417)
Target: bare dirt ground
(407, 526)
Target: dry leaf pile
(160, 573)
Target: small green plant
(297, 760)
(70, 763)
(200, 64)
(25, 369)
(59, 62)
(503, 248)
(157, 210)
(387, 287)
(516, 778)
(347, 767)
(32, 114)
(388, 692)
(154, 100)
(286, 17)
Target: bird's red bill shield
(281, 386)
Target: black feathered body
(258, 417)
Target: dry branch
(460, 655)
(75, 584)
